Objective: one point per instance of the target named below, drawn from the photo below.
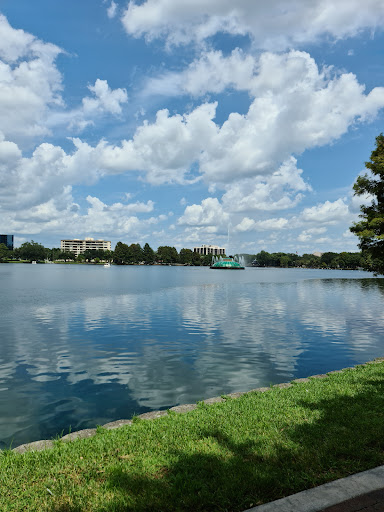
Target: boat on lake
(107, 265)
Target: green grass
(223, 457)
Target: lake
(82, 345)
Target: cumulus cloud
(63, 215)
(212, 72)
(296, 106)
(271, 25)
(30, 82)
(327, 213)
(248, 224)
(165, 149)
(307, 234)
(14, 44)
(105, 100)
(31, 104)
(209, 213)
(279, 191)
(244, 156)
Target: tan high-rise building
(77, 246)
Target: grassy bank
(227, 456)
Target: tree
(370, 229)
(167, 254)
(90, 254)
(185, 256)
(107, 256)
(206, 260)
(66, 256)
(327, 258)
(52, 254)
(32, 251)
(4, 253)
(196, 259)
(263, 259)
(149, 255)
(120, 254)
(134, 254)
(310, 261)
(284, 261)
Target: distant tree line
(134, 254)
(123, 254)
(343, 260)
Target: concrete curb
(180, 409)
(331, 493)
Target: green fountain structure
(226, 264)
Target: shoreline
(178, 409)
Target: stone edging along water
(90, 432)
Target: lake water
(84, 345)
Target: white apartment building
(210, 249)
(77, 246)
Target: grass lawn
(223, 457)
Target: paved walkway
(371, 502)
(363, 492)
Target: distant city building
(77, 246)
(209, 249)
(318, 254)
(7, 240)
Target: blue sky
(180, 122)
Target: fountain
(228, 263)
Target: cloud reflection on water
(102, 356)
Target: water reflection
(73, 357)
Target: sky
(187, 122)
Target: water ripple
(77, 351)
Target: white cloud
(106, 99)
(28, 182)
(296, 106)
(120, 208)
(357, 201)
(112, 10)
(293, 111)
(248, 224)
(278, 191)
(62, 215)
(28, 87)
(209, 213)
(272, 25)
(165, 149)
(14, 44)
(327, 213)
(323, 240)
(349, 234)
(31, 104)
(211, 72)
(307, 234)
